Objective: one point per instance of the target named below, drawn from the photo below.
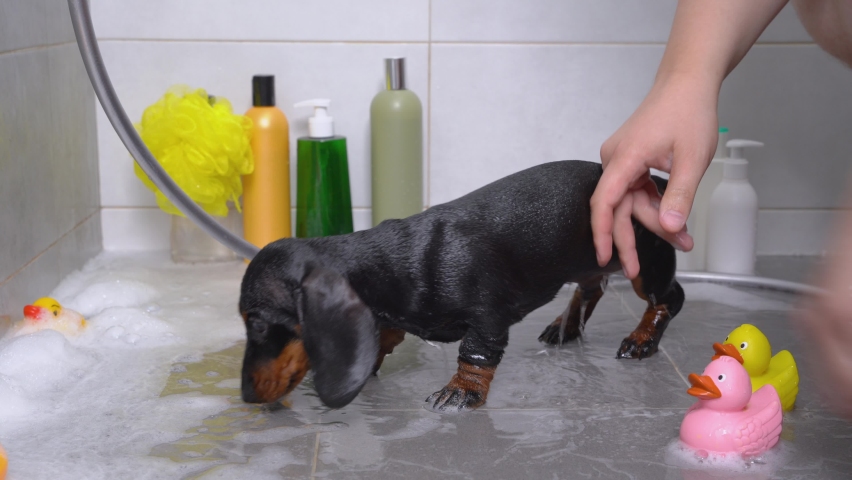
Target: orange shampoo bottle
(266, 191)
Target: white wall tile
(28, 218)
(48, 170)
(330, 20)
(499, 109)
(495, 109)
(551, 21)
(798, 101)
(72, 138)
(786, 27)
(349, 74)
(131, 229)
(31, 23)
(80, 245)
(793, 232)
(601, 21)
(48, 164)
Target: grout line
(508, 409)
(316, 455)
(130, 207)
(264, 41)
(429, 114)
(55, 242)
(679, 373)
(428, 42)
(807, 209)
(154, 207)
(35, 48)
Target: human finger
(624, 237)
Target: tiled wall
(505, 85)
(49, 200)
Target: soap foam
(37, 368)
(90, 405)
(714, 465)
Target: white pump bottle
(321, 125)
(732, 216)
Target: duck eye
(726, 338)
(56, 313)
(721, 377)
(743, 345)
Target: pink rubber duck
(728, 418)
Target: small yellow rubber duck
(47, 313)
(749, 345)
(3, 463)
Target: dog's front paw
(467, 389)
(638, 348)
(455, 399)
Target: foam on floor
(69, 404)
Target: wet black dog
(465, 270)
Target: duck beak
(32, 312)
(727, 349)
(703, 387)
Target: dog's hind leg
(389, 338)
(657, 286)
(570, 324)
(479, 355)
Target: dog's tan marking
(472, 378)
(280, 376)
(651, 319)
(389, 338)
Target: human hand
(674, 130)
(825, 322)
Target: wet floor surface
(568, 412)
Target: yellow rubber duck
(3, 463)
(47, 313)
(749, 345)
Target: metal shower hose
(88, 43)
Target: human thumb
(679, 195)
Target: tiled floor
(574, 412)
(570, 412)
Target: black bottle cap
(263, 90)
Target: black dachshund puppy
(465, 270)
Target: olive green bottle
(396, 147)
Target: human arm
(825, 321)
(675, 128)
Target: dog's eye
(259, 328)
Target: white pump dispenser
(321, 125)
(732, 217)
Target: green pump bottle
(323, 199)
(396, 147)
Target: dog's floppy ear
(339, 334)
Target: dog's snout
(247, 390)
(267, 381)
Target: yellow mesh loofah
(201, 144)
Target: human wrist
(693, 80)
